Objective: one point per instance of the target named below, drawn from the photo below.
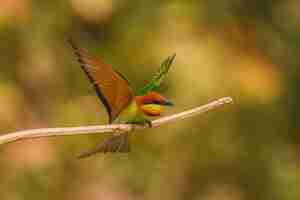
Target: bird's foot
(133, 127)
(149, 123)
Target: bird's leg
(118, 131)
(145, 122)
(133, 127)
(149, 123)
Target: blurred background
(245, 49)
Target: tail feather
(112, 144)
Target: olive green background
(245, 49)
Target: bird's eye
(156, 102)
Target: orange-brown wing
(112, 89)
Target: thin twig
(51, 132)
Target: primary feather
(160, 75)
(111, 87)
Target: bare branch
(51, 132)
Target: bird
(123, 105)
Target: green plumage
(156, 81)
(131, 115)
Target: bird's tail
(112, 144)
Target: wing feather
(111, 87)
(158, 78)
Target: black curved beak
(167, 102)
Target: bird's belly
(131, 114)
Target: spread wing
(111, 87)
(156, 81)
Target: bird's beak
(167, 102)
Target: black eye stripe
(153, 102)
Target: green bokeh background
(245, 49)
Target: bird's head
(152, 104)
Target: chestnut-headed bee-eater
(121, 103)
